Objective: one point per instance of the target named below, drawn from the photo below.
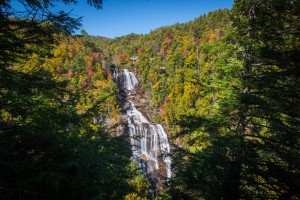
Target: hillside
(222, 89)
(208, 109)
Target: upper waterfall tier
(125, 79)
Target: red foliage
(70, 73)
(170, 39)
(160, 53)
(197, 40)
(95, 55)
(162, 110)
(167, 99)
(85, 82)
(140, 50)
(123, 57)
(58, 73)
(91, 73)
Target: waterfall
(149, 141)
(125, 79)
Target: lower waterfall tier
(149, 141)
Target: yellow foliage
(189, 95)
(212, 38)
(5, 116)
(60, 51)
(133, 196)
(153, 76)
(79, 108)
(88, 61)
(32, 65)
(110, 77)
(97, 66)
(94, 127)
(191, 61)
(155, 86)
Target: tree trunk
(231, 187)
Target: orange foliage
(123, 58)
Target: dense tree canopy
(36, 23)
(55, 98)
(225, 85)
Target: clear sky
(121, 17)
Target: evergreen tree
(52, 101)
(252, 138)
(269, 50)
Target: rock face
(149, 141)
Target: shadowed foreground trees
(36, 23)
(230, 80)
(53, 93)
(252, 139)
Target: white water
(150, 146)
(125, 79)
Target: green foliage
(141, 187)
(224, 83)
(191, 61)
(269, 83)
(54, 99)
(53, 145)
(226, 86)
(244, 143)
(163, 196)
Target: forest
(225, 87)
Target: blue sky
(121, 17)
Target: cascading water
(149, 141)
(125, 79)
